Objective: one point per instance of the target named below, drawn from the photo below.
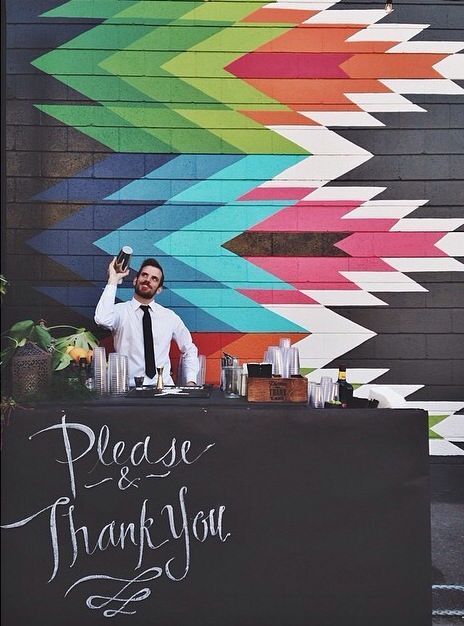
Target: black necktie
(148, 343)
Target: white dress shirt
(124, 319)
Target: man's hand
(113, 275)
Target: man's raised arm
(104, 312)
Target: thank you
(154, 534)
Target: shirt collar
(135, 304)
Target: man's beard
(144, 293)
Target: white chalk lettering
(53, 529)
(175, 454)
(161, 531)
(70, 460)
(99, 602)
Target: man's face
(147, 283)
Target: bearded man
(142, 329)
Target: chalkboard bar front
(212, 513)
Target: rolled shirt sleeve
(188, 349)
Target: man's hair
(153, 263)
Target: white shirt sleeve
(183, 338)
(105, 313)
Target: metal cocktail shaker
(122, 260)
